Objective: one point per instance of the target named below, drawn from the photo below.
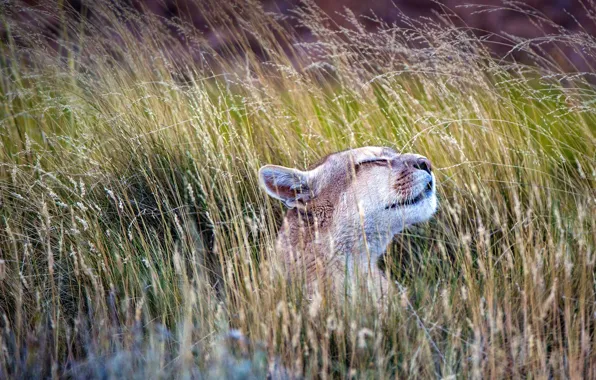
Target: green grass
(133, 234)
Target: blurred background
(551, 26)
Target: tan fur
(345, 210)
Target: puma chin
(419, 205)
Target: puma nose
(423, 163)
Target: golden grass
(128, 156)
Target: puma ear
(288, 185)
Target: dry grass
(128, 157)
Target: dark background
(497, 21)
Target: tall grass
(133, 235)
